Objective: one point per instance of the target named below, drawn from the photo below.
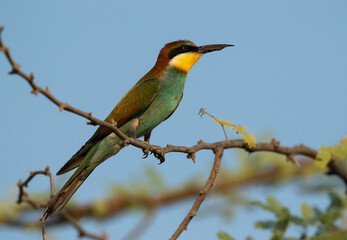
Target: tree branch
(273, 146)
(202, 194)
(81, 231)
(23, 196)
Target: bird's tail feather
(95, 156)
(59, 200)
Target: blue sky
(286, 74)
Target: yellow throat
(185, 61)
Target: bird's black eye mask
(182, 49)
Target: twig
(203, 112)
(202, 194)
(23, 196)
(81, 231)
(43, 226)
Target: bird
(152, 100)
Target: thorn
(191, 156)
(200, 141)
(4, 48)
(290, 158)
(19, 182)
(201, 192)
(15, 66)
(13, 71)
(35, 92)
(31, 77)
(62, 107)
(89, 114)
(275, 143)
(47, 89)
(91, 123)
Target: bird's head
(183, 54)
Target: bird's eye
(178, 50)
(184, 47)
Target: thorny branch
(202, 194)
(158, 151)
(23, 196)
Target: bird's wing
(134, 101)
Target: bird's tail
(95, 156)
(58, 202)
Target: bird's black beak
(212, 47)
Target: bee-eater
(152, 100)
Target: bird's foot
(159, 154)
(145, 152)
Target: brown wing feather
(135, 101)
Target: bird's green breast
(165, 102)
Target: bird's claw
(145, 153)
(160, 155)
